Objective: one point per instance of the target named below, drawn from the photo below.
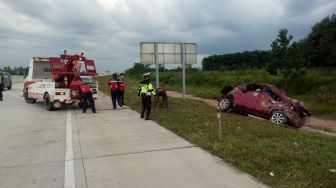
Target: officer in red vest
(122, 88)
(115, 91)
(86, 94)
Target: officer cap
(146, 74)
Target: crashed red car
(265, 101)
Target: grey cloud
(111, 35)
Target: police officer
(1, 86)
(146, 90)
(86, 94)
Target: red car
(266, 101)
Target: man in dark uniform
(146, 90)
(114, 86)
(86, 94)
(122, 88)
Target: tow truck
(56, 80)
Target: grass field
(297, 158)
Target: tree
(138, 69)
(162, 68)
(240, 60)
(279, 57)
(8, 69)
(321, 43)
(286, 57)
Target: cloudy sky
(109, 31)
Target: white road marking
(69, 170)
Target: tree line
(240, 60)
(318, 49)
(14, 71)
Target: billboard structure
(168, 53)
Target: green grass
(297, 158)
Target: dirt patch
(179, 95)
(322, 124)
(314, 123)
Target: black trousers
(85, 97)
(116, 97)
(122, 93)
(1, 89)
(146, 105)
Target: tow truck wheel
(278, 117)
(48, 104)
(225, 104)
(27, 99)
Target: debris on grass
(332, 170)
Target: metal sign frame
(183, 53)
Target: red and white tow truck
(56, 80)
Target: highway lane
(113, 148)
(31, 143)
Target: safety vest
(113, 84)
(0, 79)
(121, 85)
(147, 88)
(85, 89)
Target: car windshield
(87, 79)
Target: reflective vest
(147, 89)
(85, 89)
(113, 84)
(121, 85)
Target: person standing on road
(115, 92)
(1, 86)
(86, 94)
(146, 90)
(122, 88)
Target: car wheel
(225, 104)
(10, 87)
(27, 99)
(48, 104)
(278, 117)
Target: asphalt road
(112, 148)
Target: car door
(246, 100)
(263, 104)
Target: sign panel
(168, 53)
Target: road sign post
(156, 64)
(169, 53)
(183, 70)
(219, 117)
